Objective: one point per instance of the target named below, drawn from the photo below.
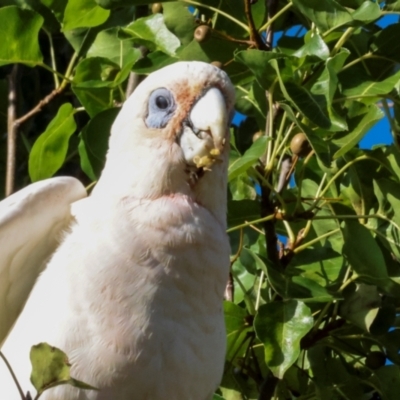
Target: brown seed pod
(202, 33)
(156, 8)
(217, 64)
(299, 145)
(257, 135)
(375, 360)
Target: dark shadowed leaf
(94, 142)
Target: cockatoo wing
(31, 222)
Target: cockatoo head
(172, 136)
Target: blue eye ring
(161, 108)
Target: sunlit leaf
(49, 151)
(83, 14)
(326, 15)
(358, 127)
(152, 33)
(19, 30)
(281, 326)
(248, 159)
(50, 368)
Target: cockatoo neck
(166, 176)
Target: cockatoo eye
(162, 102)
(161, 108)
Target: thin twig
(272, 8)
(38, 107)
(21, 393)
(11, 129)
(254, 35)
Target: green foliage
(309, 309)
(50, 368)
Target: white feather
(134, 293)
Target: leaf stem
(226, 15)
(255, 221)
(53, 59)
(53, 71)
(315, 240)
(276, 16)
(332, 180)
(339, 44)
(259, 290)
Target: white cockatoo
(133, 293)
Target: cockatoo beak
(204, 135)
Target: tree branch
(272, 6)
(11, 130)
(254, 35)
(38, 107)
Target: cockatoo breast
(134, 292)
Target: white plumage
(134, 292)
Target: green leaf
(366, 258)
(304, 101)
(57, 7)
(152, 33)
(152, 62)
(322, 265)
(326, 86)
(313, 47)
(50, 149)
(390, 196)
(280, 326)
(94, 142)
(361, 306)
(387, 44)
(358, 127)
(368, 11)
(94, 83)
(19, 30)
(109, 4)
(50, 368)
(325, 14)
(241, 211)
(389, 381)
(360, 84)
(249, 158)
(308, 290)
(179, 20)
(108, 45)
(362, 251)
(393, 5)
(83, 14)
(242, 187)
(320, 146)
(236, 328)
(258, 63)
